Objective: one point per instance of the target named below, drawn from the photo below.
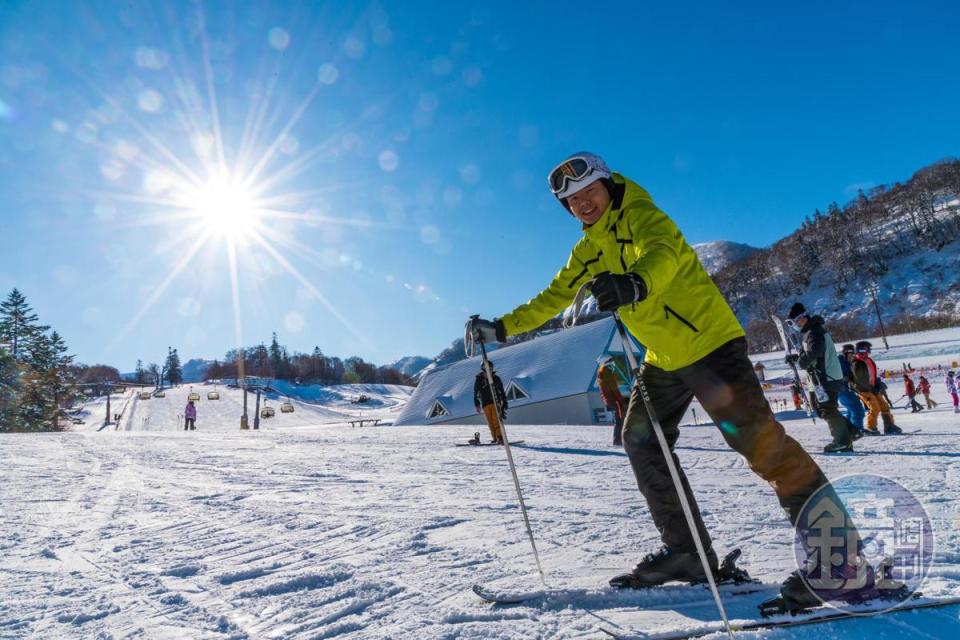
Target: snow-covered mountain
(410, 365)
(194, 369)
(717, 254)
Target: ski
(731, 580)
(788, 346)
(814, 616)
(508, 597)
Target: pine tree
(139, 374)
(172, 367)
(18, 323)
(10, 392)
(276, 357)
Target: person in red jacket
(925, 390)
(613, 400)
(910, 390)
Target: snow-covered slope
(322, 532)
(717, 254)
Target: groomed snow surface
(328, 531)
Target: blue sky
(394, 154)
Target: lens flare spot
(728, 427)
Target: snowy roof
(557, 365)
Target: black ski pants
(841, 429)
(725, 384)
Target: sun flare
(225, 208)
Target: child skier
(924, 385)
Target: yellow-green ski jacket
(684, 316)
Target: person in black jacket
(484, 401)
(819, 357)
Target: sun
(225, 208)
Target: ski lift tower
(873, 290)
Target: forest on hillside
(847, 247)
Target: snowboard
(487, 444)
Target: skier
(848, 397)
(190, 417)
(613, 400)
(953, 388)
(910, 390)
(636, 262)
(924, 385)
(868, 388)
(484, 400)
(797, 392)
(819, 357)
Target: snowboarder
(847, 396)
(609, 385)
(924, 385)
(819, 357)
(953, 388)
(484, 401)
(190, 417)
(636, 261)
(867, 383)
(910, 390)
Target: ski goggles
(569, 170)
(792, 322)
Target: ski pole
(478, 339)
(674, 474)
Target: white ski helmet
(577, 172)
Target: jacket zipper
(667, 311)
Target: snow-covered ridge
(717, 254)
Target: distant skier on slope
(819, 357)
(484, 401)
(924, 386)
(868, 388)
(953, 388)
(637, 262)
(910, 390)
(848, 396)
(609, 385)
(190, 417)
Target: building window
(437, 410)
(515, 392)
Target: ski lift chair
(144, 395)
(267, 412)
(213, 395)
(286, 407)
(193, 396)
(159, 394)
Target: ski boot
(838, 447)
(476, 438)
(797, 596)
(889, 428)
(664, 566)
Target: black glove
(791, 358)
(487, 330)
(613, 290)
